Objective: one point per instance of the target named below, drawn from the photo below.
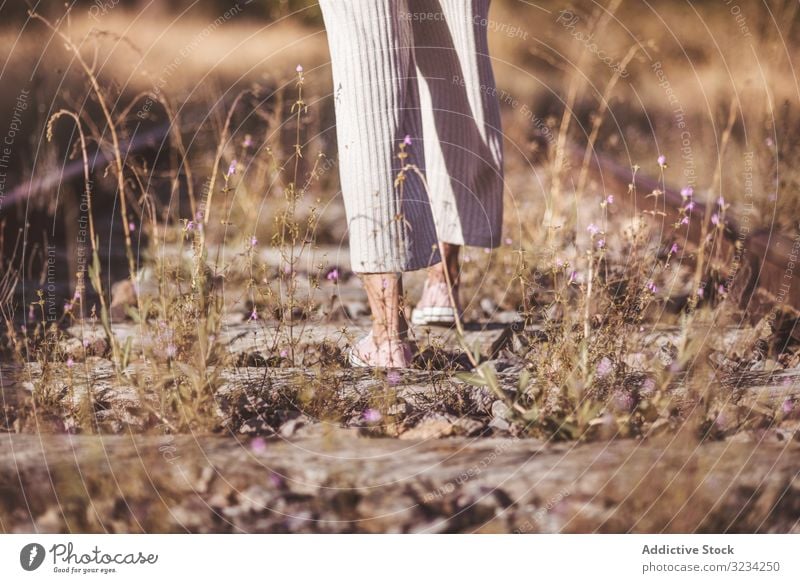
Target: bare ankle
(448, 270)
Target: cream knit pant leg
(376, 100)
(397, 72)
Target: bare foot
(436, 306)
(387, 344)
(393, 353)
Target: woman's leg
(461, 127)
(391, 227)
(387, 345)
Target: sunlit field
(177, 297)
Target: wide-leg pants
(417, 68)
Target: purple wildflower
(276, 480)
(299, 68)
(258, 445)
(254, 314)
(722, 421)
(610, 199)
(623, 400)
(687, 192)
(248, 141)
(333, 275)
(604, 367)
(715, 219)
(674, 249)
(407, 140)
(593, 229)
(70, 362)
(253, 241)
(662, 161)
(601, 243)
(231, 169)
(372, 415)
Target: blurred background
(710, 85)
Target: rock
(432, 426)
(499, 424)
(636, 360)
(292, 426)
(334, 311)
(488, 307)
(507, 317)
(124, 292)
(726, 420)
(468, 426)
(356, 308)
(123, 297)
(256, 426)
(400, 409)
(658, 427)
(500, 409)
(667, 353)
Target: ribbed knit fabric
(419, 68)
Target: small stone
(499, 424)
(667, 354)
(488, 307)
(499, 409)
(356, 309)
(291, 427)
(431, 427)
(400, 409)
(123, 297)
(256, 426)
(636, 360)
(468, 426)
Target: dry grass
(250, 165)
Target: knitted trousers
(416, 68)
